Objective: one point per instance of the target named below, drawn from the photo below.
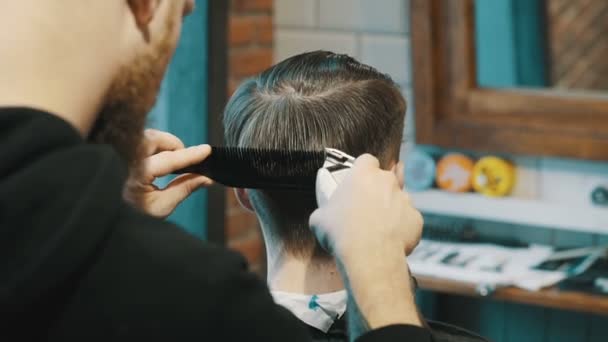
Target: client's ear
(243, 197)
(399, 169)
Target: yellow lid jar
(493, 176)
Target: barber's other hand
(367, 213)
(165, 154)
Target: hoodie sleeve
(250, 311)
(254, 316)
(402, 333)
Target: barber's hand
(369, 225)
(166, 154)
(368, 210)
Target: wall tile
(567, 326)
(505, 231)
(492, 322)
(598, 329)
(602, 239)
(386, 16)
(596, 175)
(408, 92)
(340, 14)
(527, 184)
(292, 42)
(485, 317)
(559, 185)
(426, 302)
(295, 13)
(409, 133)
(521, 323)
(567, 239)
(388, 54)
(571, 181)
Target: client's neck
(311, 274)
(296, 275)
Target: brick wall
(250, 51)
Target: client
(309, 102)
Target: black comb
(254, 168)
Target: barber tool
(593, 280)
(419, 170)
(454, 173)
(574, 261)
(337, 165)
(275, 169)
(493, 176)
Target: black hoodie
(77, 263)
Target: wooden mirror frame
(453, 112)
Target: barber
(77, 78)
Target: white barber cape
(318, 310)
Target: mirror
(555, 44)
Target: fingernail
(203, 148)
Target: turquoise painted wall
(510, 43)
(182, 105)
(509, 322)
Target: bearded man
(77, 262)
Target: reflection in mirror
(558, 44)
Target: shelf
(513, 210)
(550, 298)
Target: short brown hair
(309, 102)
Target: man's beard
(131, 96)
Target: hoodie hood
(58, 199)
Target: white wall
(377, 33)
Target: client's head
(309, 102)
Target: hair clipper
(336, 166)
